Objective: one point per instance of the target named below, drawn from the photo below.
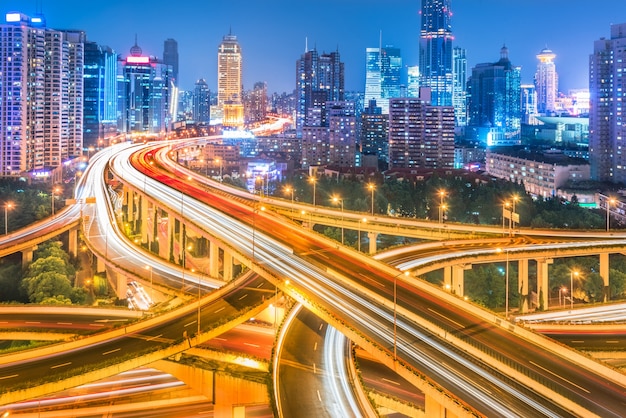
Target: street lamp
(562, 290)
(442, 194)
(515, 198)
(571, 285)
(289, 189)
(7, 206)
(218, 160)
(337, 199)
(372, 187)
(395, 314)
(609, 202)
(313, 181)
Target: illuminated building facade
(435, 52)
(229, 82)
(144, 92)
(100, 106)
(383, 75)
(546, 82)
(201, 102)
(420, 135)
(319, 79)
(607, 84)
(170, 57)
(495, 102)
(374, 131)
(41, 90)
(459, 89)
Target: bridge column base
(434, 409)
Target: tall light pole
(289, 189)
(442, 194)
(515, 198)
(562, 290)
(395, 314)
(337, 199)
(54, 190)
(506, 283)
(219, 160)
(372, 187)
(609, 202)
(313, 181)
(571, 285)
(7, 206)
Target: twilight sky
(272, 33)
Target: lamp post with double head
(372, 187)
(7, 206)
(572, 274)
(313, 181)
(442, 194)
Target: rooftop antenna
(306, 44)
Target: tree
(49, 284)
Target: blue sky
(272, 33)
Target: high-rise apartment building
(607, 84)
(144, 92)
(459, 87)
(319, 79)
(373, 86)
(529, 104)
(230, 82)
(420, 135)
(435, 53)
(170, 57)
(374, 133)
(100, 104)
(41, 91)
(413, 81)
(495, 102)
(546, 82)
(201, 102)
(256, 103)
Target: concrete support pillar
(100, 266)
(72, 241)
(27, 256)
(543, 289)
(228, 266)
(214, 259)
(434, 409)
(522, 275)
(458, 279)
(604, 273)
(372, 237)
(447, 279)
(170, 234)
(118, 281)
(145, 229)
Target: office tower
(546, 82)
(201, 102)
(319, 79)
(383, 75)
(144, 91)
(41, 91)
(374, 133)
(100, 104)
(435, 53)
(495, 102)
(413, 81)
(459, 89)
(229, 82)
(256, 103)
(170, 57)
(420, 135)
(607, 131)
(373, 86)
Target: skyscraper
(459, 90)
(495, 102)
(100, 104)
(435, 53)
(383, 75)
(607, 130)
(230, 82)
(145, 90)
(374, 133)
(319, 79)
(170, 57)
(546, 82)
(41, 91)
(201, 102)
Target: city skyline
(272, 37)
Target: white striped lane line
(111, 351)
(61, 365)
(556, 375)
